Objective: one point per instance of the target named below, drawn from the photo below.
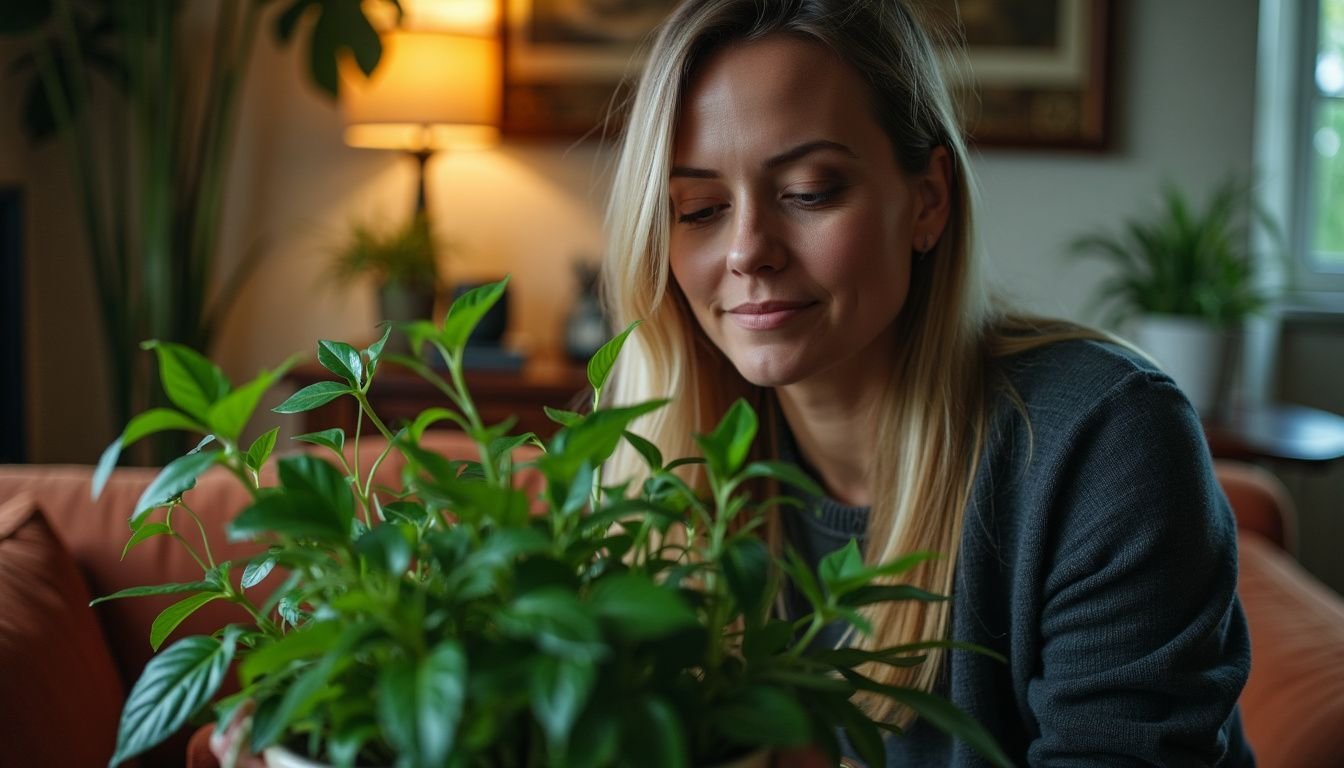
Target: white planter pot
(1195, 354)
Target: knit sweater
(1098, 556)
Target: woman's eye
(815, 198)
(699, 216)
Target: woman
(792, 219)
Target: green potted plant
(1187, 278)
(454, 620)
(401, 261)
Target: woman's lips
(765, 316)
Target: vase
(1197, 355)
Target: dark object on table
(586, 328)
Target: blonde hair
(933, 422)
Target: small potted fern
(1187, 278)
(454, 619)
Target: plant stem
(205, 540)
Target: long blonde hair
(933, 421)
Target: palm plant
(1184, 261)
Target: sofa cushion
(1293, 704)
(60, 695)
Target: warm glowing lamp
(432, 90)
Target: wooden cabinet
(398, 395)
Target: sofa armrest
(1260, 502)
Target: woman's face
(793, 225)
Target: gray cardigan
(1100, 559)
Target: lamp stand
(422, 158)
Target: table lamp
(433, 89)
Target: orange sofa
(65, 667)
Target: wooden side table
(1291, 433)
(399, 395)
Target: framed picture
(1034, 73)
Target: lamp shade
(431, 90)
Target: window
(1322, 230)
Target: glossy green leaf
(150, 422)
(467, 311)
(261, 449)
(174, 685)
(313, 396)
(310, 474)
(341, 359)
(940, 713)
(895, 567)
(558, 692)
(142, 532)
(158, 589)
(299, 514)
(257, 570)
(726, 447)
(602, 361)
(785, 473)
(175, 614)
(386, 547)
(652, 456)
(172, 481)
(397, 711)
(227, 416)
(653, 730)
(746, 568)
(557, 622)
(440, 695)
(638, 609)
(839, 565)
(191, 382)
(763, 716)
(766, 640)
(561, 417)
(431, 416)
(374, 352)
(333, 438)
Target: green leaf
(563, 418)
(310, 474)
(653, 731)
(785, 473)
(557, 622)
(142, 532)
(374, 352)
(838, 565)
(150, 422)
(652, 456)
(397, 710)
(386, 547)
(313, 396)
(260, 449)
(746, 568)
(638, 609)
(602, 361)
(432, 416)
(333, 438)
(158, 589)
(559, 692)
(301, 694)
(230, 414)
(407, 512)
(941, 713)
(191, 382)
(440, 692)
(341, 359)
(299, 514)
(767, 639)
(763, 716)
(467, 311)
(175, 614)
(895, 567)
(174, 686)
(308, 642)
(257, 569)
(174, 480)
(726, 448)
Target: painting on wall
(1034, 73)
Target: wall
(1184, 106)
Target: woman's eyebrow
(783, 158)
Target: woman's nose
(756, 245)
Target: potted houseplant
(454, 620)
(1188, 279)
(401, 261)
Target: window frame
(1310, 277)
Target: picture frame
(1033, 74)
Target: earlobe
(934, 192)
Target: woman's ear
(933, 197)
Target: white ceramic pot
(1194, 353)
